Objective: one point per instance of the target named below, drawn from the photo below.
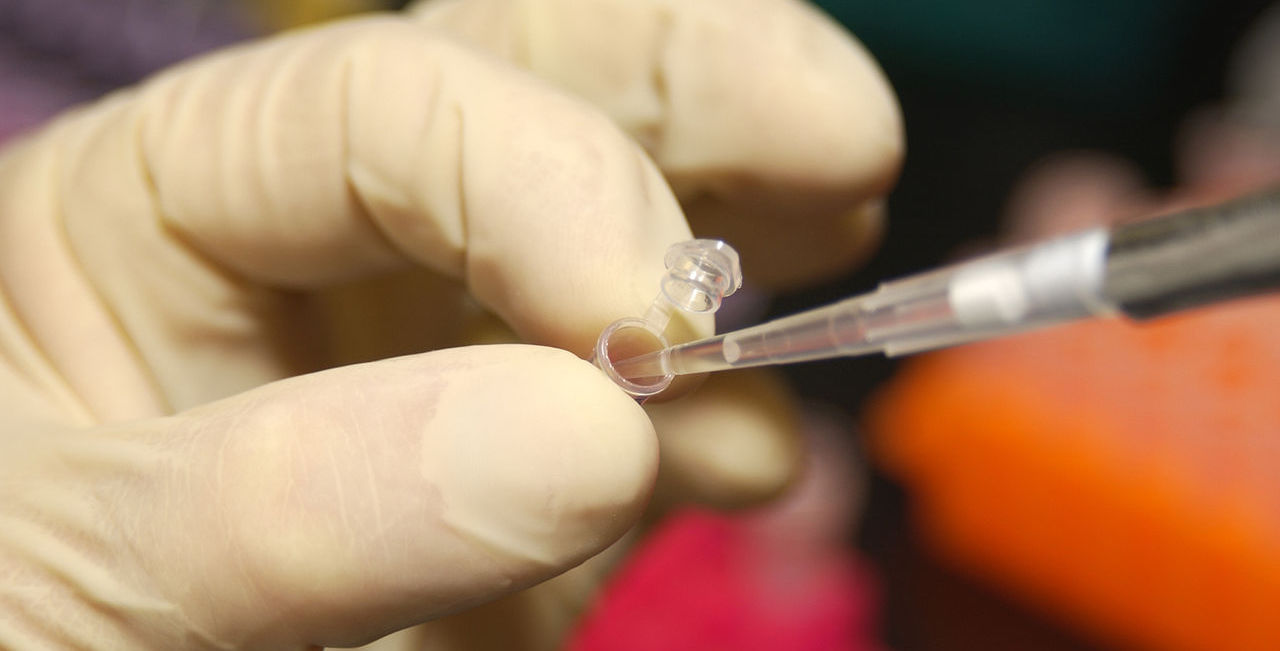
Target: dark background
(988, 88)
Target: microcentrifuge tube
(700, 273)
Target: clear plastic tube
(700, 273)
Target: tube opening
(624, 339)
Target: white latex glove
(777, 130)
(193, 239)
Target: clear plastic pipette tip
(652, 364)
(996, 295)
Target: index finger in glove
(464, 165)
(315, 158)
(777, 129)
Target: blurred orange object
(1124, 476)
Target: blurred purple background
(55, 53)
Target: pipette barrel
(1140, 269)
(1054, 281)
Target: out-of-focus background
(1097, 486)
(1093, 487)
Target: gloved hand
(175, 258)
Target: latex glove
(777, 130)
(162, 250)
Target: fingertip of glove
(401, 490)
(827, 95)
(541, 457)
(734, 443)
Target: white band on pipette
(1053, 281)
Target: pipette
(1141, 270)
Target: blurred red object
(708, 581)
